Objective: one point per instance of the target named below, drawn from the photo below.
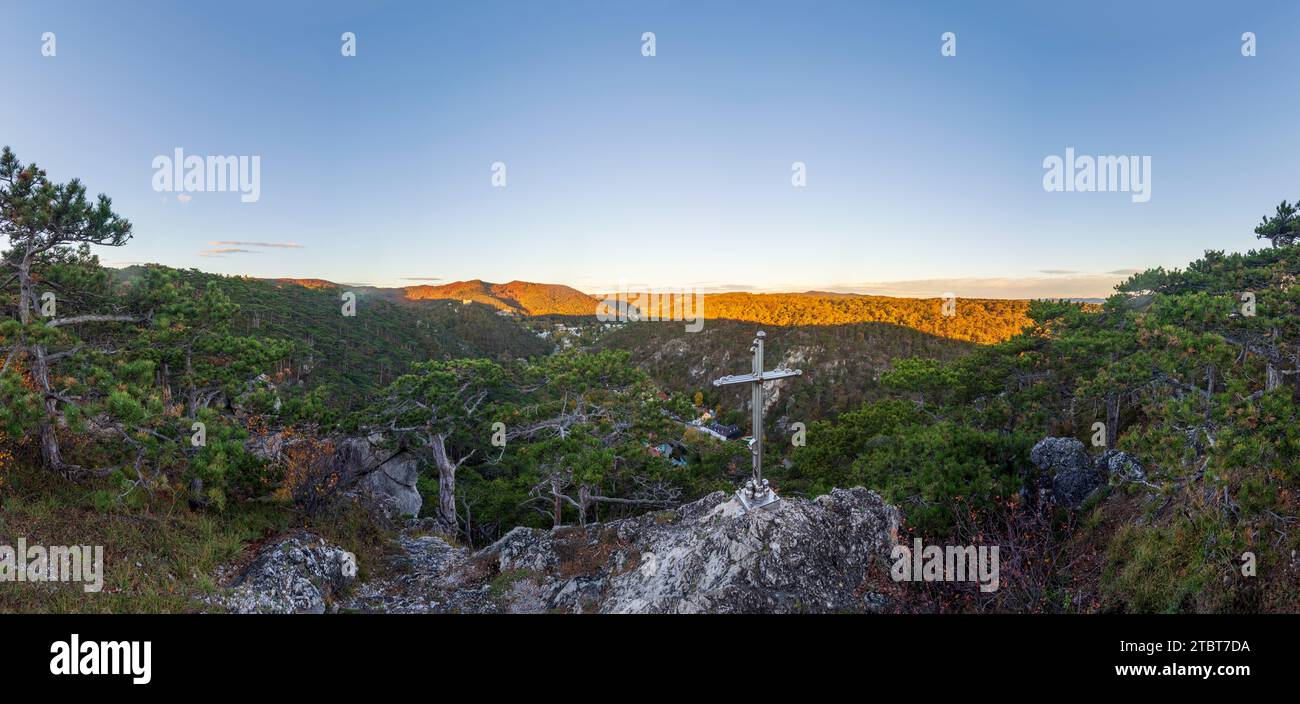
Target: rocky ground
(299, 574)
(706, 556)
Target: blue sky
(924, 173)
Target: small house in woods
(722, 432)
(674, 452)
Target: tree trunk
(1112, 420)
(1272, 378)
(51, 457)
(192, 394)
(446, 486)
(50, 453)
(165, 381)
(557, 508)
(584, 501)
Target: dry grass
(581, 553)
(159, 554)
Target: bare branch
(78, 319)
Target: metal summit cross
(756, 493)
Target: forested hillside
(353, 355)
(982, 320)
(842, 363)
(520, 297)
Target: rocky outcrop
(1072, 474)
(800, 555)
(297, 575)
(707, 556)
(386, 476)
(1067, 469)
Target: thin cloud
(666, 287)
(184, 197)
(271, 245)
(718, 287)
(1055, 272)
(223, 251)
(1056, 286)
(1124, 272)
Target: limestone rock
(1121, 466)
(418, 580)
(1068, 469)
(707, 556)
(296, 575)
(800, 555)
(388, 477)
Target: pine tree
(1283, 228)
(43, 220)
(438, 412)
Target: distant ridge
(523, 297)
(307, 283)
(980, 320)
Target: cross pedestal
(756, 493)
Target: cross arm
(735, 379)
(751, 378)
(781, 373)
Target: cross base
(754, 497)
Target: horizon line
(932, 288)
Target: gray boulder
(299, 574)
(1068, 469)
(1121, 466)
(381, 474)
(707, 556)
(388, 477)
